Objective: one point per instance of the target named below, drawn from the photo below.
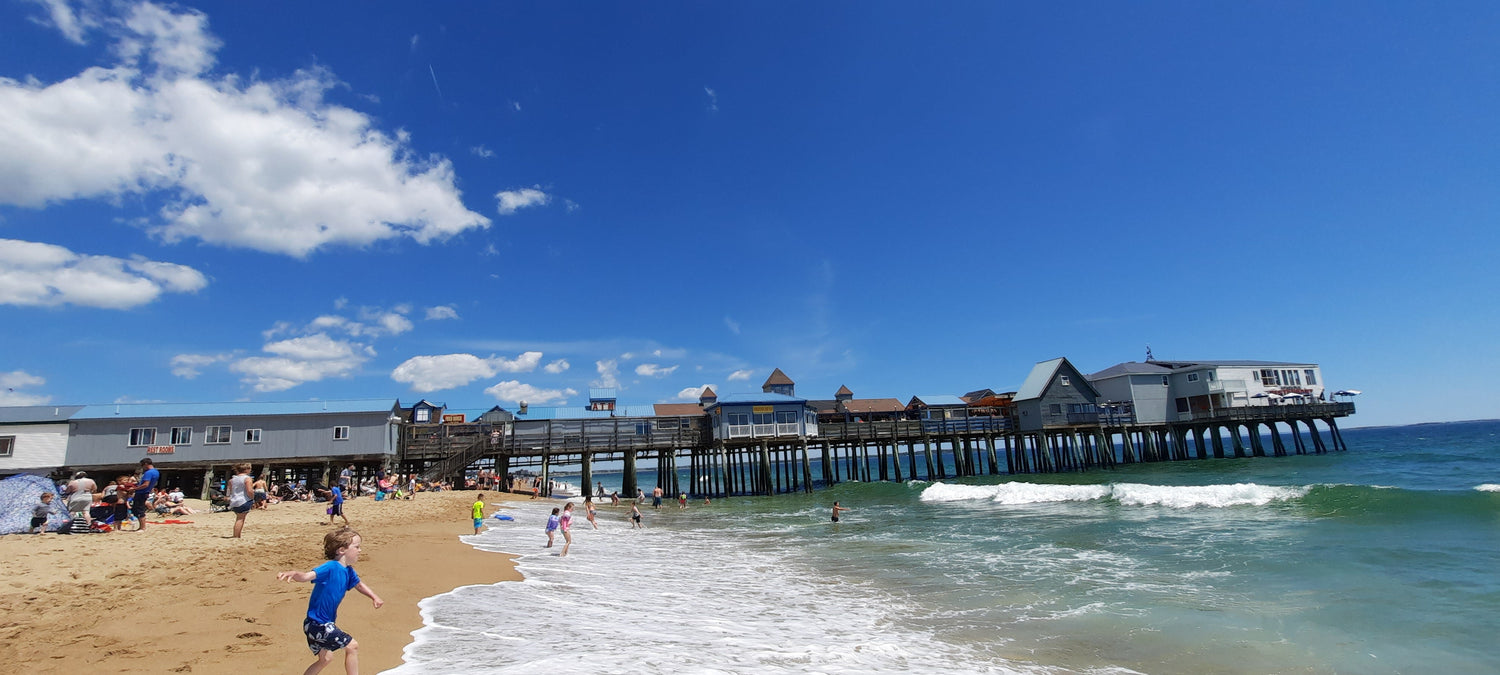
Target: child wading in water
(331, 581)
(552, 524)
(566, 524)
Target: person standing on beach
(635, 516)
(565, 523)
(478, 512)
(241, 496)
(331, 581)
(346, 477)
(552, 523)
(836, 510)
(80, 493)
(261, 498)
(150, 478)
(656, 498)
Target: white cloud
(188, 366)
(557, 366)
(302, 359)
(20, 379)
(482, 151)
(609, 374)
(654, 370)
(515, 200)
(64, 20)
(692, 393)
(446, 371)
(524, 363)
(416, 39)
(516, 392)
(734, 326)
(740, 375)
(516, 105)
(393, 323)
(266, 165)
(571, 206)
(441, 312)
(37, 274)
(713, 99)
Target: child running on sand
(43, 509)
(331, 581)
(336, 505)
(478, 512)
(552, 525)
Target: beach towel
(18, 494)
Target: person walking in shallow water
(590, 511)
(836, 510)
(565, 523)
(552, 523)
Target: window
(1192, 377)
(739, 419)
(1210, 376)
(7, 446)
(764, 418)
(667, 424)
(1312, 380)
(142, 436)
(1164, 380)
(216, 435)
(1182, 405)
(182, 435)
(252, 435)
(422, 415)
(1064, 380)
(786, 417)
(1081, 408)
(1267, 378)
(341, 433)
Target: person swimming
(836, 510)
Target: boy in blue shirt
(331, 581)
(336, 506)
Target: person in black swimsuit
(836, 510)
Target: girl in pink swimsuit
(565, 523)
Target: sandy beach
(187, 598)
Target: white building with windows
(1172, 391)
(34, 439)
(742, 417)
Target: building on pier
(1055, 394)
(763, 415)
(1181, 391)
(34, 439)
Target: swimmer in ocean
(836, 510)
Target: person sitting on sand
(41, 512)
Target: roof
(756, 397)
(236, 409)
(856, 406)
(825, 405)
(977, 394)
(1041, 376)
(777, 377)
(583, 413)
(677, 409)
(32, 414)
(939, 400)
(603, 394)
(1130, 368)
(843, 391)
(1179, 365)
(708, 392)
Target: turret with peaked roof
(708, 396)
(779, 383)
(843, 394)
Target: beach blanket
(18, 495)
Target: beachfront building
(938, 412)
(764, 415)
(1055, 394)
(193, 444)
(1177, 391)
(34, 439)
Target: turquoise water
(1376, 560)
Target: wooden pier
(890, 450)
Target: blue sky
(480, 203)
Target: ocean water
(1382, 559)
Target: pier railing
(1270, 413)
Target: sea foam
(1488, 487)
(1130, 494)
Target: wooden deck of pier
(862, 451)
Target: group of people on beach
(123, 501)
